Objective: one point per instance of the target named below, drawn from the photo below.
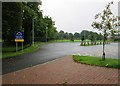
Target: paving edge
(39, 64)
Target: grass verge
(13, 48)
(96, 61)
(87, 45)
(26, 50)
(93, 44)
(65, 40)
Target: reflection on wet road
(53, 51)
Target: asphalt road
(53, 51)
(0, 57)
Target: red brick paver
(60, 71)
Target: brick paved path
(63, 70)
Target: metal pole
(84, 37)
(22, 46)
(33, 32)
(84, 34)
(46, 34)
(16, 47)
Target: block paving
(62, 70)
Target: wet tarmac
(53, 51)
(0, 57)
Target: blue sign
(19, 35)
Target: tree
(30, 12)
(92, 37)
(71, 37)
(77, 35)
(66, 36)
(61, 34)
(107, 23)
(11, 20)
(100, 36)
(20, 16)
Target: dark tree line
(80, 36)
(20, 16)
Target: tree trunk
(103, 57)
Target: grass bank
(96, 61)
(13, 48)
(88, 44)
(93, 43)
(65, 40)
(29, 49)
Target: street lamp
(84, 38)
(46, 33)
(33, 31)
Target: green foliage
(11, 20)
(107, 23)
(20, 16)
(66, 40)
(71, 36)
(13, 48)
(76, 35)
(26, 50)
(90, 44)
(90, 35)
(84, 35)
(62, 35)
(51, 32)
(91, 60)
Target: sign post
(16, 47)
(19, 37)
(33, 32)
(22, 46)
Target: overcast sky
(75, 15)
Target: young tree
(107, 23)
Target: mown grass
(87, 44)
(90, 44)
(66, 40)
(26, 50)
(12, 48)
(96, 61)
(93, 43)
